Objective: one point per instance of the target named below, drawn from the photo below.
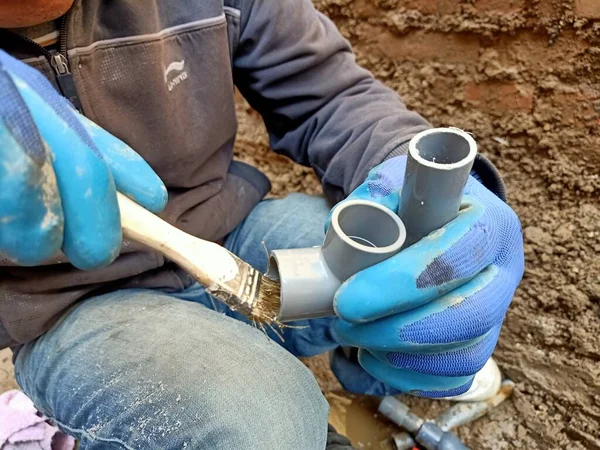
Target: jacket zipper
(59, 62)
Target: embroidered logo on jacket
(177, 67)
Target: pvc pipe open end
(362, 233)
(273, 268)
(368, 227)
(443, 148)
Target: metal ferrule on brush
(240, 293)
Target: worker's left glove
(427, 319)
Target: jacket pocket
(169, 95)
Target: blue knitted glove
(427, 319)
(58, 173)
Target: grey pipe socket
(361, 234)
(438, 167)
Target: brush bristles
(266, 309)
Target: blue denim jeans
(146, 369)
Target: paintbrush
(225, 276)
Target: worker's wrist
(486, 173)
(399, 149)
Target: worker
(120, 347)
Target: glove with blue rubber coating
(428, 319)
(58, 176)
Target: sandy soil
(525, 81)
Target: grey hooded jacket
(160, 75)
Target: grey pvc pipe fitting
(364, 233)
(438, 167)
(399, 413)
(361, 234)
(428, 434)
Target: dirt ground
(524, 77)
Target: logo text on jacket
(175, 73)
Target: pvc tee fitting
(361, 234)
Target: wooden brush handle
(206, 261)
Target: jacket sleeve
(320, 108)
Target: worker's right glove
(58, 173)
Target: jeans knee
(261, 403)
(143, 370)
(287, 410)
(278, 407)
